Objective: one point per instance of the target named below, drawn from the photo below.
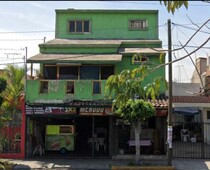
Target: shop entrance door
(101, 135)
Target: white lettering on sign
(60, 110)
(91, 111)
(34, 110)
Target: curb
(143, 168)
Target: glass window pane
(106, 71)
(68, 73)
(86, 26)
(96, 87)
(89, 72)
(79, 26)
(43, 87)
(50, 72)
(70, 87)
(72, 26)
(138, 24)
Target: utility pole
(169, 130)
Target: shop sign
(50, 110)
(108, 111)
(34, 110)
(95, 111)
(60, 110)
(92, 111)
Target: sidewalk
(101, 164)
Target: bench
(141, 142)
(146, 144)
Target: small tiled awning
(159, 103)
(75, 58)
(74, 103)
(141, 50)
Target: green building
(89, 46)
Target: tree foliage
(172, 6)
(135, 110)
(3, 84)
(14, 90)
(130, 84)
(130, 95)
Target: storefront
(79, 129)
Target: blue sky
(26, 23)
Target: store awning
(141, 50)
(75, 58)
(189, 111)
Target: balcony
(63, 89)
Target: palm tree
(14, 90)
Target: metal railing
(191, 140)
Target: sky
(24, 24)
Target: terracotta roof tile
(191, 99)
(159, 103)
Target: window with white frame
(79, 26)
(138, 24)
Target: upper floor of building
(89, 46)
(106, 24)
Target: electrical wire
(191, 40)
(194, 29)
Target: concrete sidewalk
(102, 164)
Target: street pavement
(102, 164)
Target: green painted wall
(57, 90)
(83, 88)
(108, 24)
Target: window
(70, 87)
(50, 72)
(140, 59)
(80, 26)
(66, 129)
(96, 87)
(106, 71)
(138, 24)
(43, 86)
(89, 72)
(208, 114)
(68, 72)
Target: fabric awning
(84, 58)
(189, 111)
(141, 50)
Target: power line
(12, 63)
(24, 32)
(10, 49)
(190, 46)
(188, 38)
(20, 39)
(190, 28)
(64, 30)
(156, 4)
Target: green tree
(130, 95)
(14, 90)
(3, 84)
(173, 5)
